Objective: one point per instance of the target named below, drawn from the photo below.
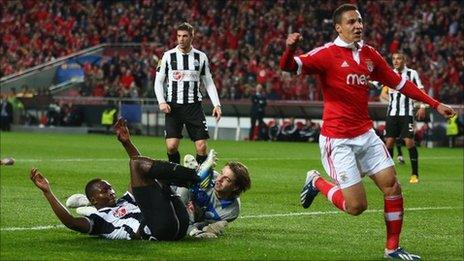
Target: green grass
(433, 222)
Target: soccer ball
(77, 200)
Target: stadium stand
(243, 38)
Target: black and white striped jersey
(119, 222)
(179, 75)
(401, 105)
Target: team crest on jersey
(370, 65)
(121, 212)
(343, 176)
(178, 75)
(196, 63)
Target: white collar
(404, 69)
(341, 43)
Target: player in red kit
(350, 149)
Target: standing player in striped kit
(183, 67)
(400, 117)
(350, 149)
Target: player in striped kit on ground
(149, 210)
(350, 149)
(400, 115)
(177, 88)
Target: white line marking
(340, 212)
(69, 160)
(32, 228)
(226, 159)
(253, 216)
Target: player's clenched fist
(293, 40)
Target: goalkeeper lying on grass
(211, 207)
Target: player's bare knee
(393, 190)
(201, 148)
(397, 188)
(171, 149)
(134, 166)
(356, 209)
(139, 167)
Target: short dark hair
(337, 14)
(242, 177)
(186, 27)
(90, 187)
(402, 54)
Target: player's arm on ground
(122, 132)
(207, 79)
(79, 224)
(161, 73)
(384, 74)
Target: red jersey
(345, 72)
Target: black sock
(173, 173)
(174, 158)
(414, 157)
(201, 158)
(391, 152)
(398, 144)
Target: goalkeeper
(213, 205)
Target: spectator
(258, 105)
(289, 131)
(452, 130)
(310, 131)
(273, 129)
(109, 116)
(6, 113)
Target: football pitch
(272, 224)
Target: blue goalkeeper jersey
(208, 207)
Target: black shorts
(163, 212)
(190, 115)
(399, 127)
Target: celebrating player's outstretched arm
(287, 62)
(446, 111)
(293, 40)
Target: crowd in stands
(288, 130)
(243, 40)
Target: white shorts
(348, 160)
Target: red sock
(331, 192)
(393, 220)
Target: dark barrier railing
(232, 108)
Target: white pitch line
(69, 160)
(227, 159)
(32, 228)
(7, 229)
(316, 213)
